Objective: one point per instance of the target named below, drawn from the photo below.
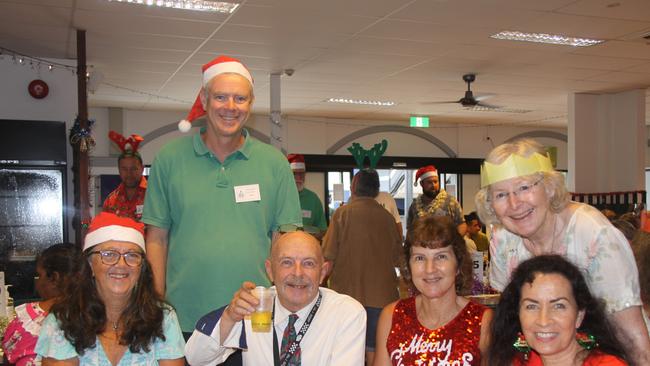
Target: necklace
(115, 326)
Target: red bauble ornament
(38, 89)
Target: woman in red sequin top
(437, 326)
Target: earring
(521, 345)
(586, 341)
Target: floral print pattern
(52, 343)
(590, 242)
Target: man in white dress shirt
(335, 335)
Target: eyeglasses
(111, 257)
(523, 189)
(289, 228)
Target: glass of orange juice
(261, 317)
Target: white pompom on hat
(108, 226)
(220, 65)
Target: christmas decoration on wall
(38, 89)
(82, 136)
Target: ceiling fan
(469, 100)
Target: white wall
(60, 104)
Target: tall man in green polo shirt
(313, 216)
(214, 199)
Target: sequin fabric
(456, 343)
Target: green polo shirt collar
(201, 149)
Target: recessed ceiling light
(197, 5)
(362, 102)
(546, 38)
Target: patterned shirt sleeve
(606, 259)
(52, 342)
(498, 271)
(173, 345)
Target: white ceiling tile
(412, 52)
(579, 26)
(619, 9)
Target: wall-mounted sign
(419, 121)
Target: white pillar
(275, 117)
(607, 142)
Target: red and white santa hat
(108, 226)
(425, 172)
(220, 65)
(296, 161)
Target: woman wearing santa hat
(111, 315)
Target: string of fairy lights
(38, 64)
(35, 63)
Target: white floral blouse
(590, 242)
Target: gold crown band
(514, 166)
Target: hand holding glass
(261, 317)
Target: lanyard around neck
(294, 344)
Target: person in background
(474, 232)
(55, 268)
(128, 198)
(527, 205)
(469, 243)
(433, 200)
(547, 316)
(364, 248)
(387, 201)
(111, 313)
(215, 199)
(313, 216)
(334, 324)
(437, 323)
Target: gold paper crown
(514, 166)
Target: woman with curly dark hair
(111, 314)
(437, 324)
(547, 316)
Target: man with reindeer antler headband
(128, 198)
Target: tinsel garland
(82, 136)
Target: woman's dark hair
(506, 326)
(82, 314)
(435, 232)
(59, 259)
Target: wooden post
(80, 158)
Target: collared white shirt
(336, 336)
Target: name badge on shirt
(138, 209)
(247, 193)
(306, 214)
